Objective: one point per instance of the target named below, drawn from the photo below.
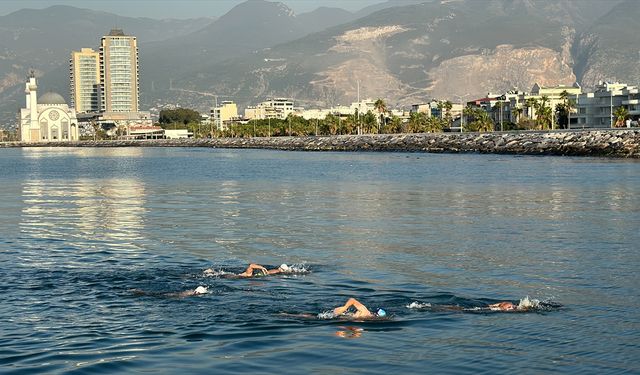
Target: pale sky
(175, 8)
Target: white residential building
(595, 109)
(224, 114)
(278, 108)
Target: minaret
(32, 105)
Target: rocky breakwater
(612, 143)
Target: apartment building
(223, 114)
(596, 109)
(277, 108)
(84, 67)
(119, 81)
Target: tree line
(539, 115)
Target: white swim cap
(201, 290)
(284, 267)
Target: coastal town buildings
(435, 108)
(514, 105)
(276, 108)
(552, 94)
(363, 106)
(596, 109)
(104, 85)
(47, 118)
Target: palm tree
(330, 124)
(369, 122)
(395, 125)
(516, 112)
(434, 124)
(543, 113)
(564, 95)
(531, 103)
(480, 120)
(447, 106)
(381, 107)
(621, 114)
(416, 122)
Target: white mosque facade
(48, 118)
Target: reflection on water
(81, 214)
(81, 152)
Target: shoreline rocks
(617, 143)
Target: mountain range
(403, 51)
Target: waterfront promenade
(619, 143)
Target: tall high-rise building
(85, 80)
(119, 72)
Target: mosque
(47, 118)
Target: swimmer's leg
(299, 316)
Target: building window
(55, 132)
(65, 129)
(44, 129)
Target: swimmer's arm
(253, 266)
(274, 271)
(503, 306)
(362, 309)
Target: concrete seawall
(624, 143)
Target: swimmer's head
(381, 313)
(200, 290)
(284, 268)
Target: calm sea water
(81, 228)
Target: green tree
(543, 113)
(563, 110)
(531, 104)
(433, 124)
(417, 122)
(447, 114)
(381, 107)
(394, 126)
(516, 112)
(620, 114)
(478, 120)
(177, 117)
(369, 122)
(329, 125)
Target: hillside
(610, 48)
(249, 27)
(415, 52)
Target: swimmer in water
(187, 293)
(361, 311)
(352, 310)
(254, 270)
(524, 305)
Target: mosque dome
(51, 98)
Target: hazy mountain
(610, 48)
(324, 18)
(249, 27)
(252, 25)
(411, 53)
(388, 4)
